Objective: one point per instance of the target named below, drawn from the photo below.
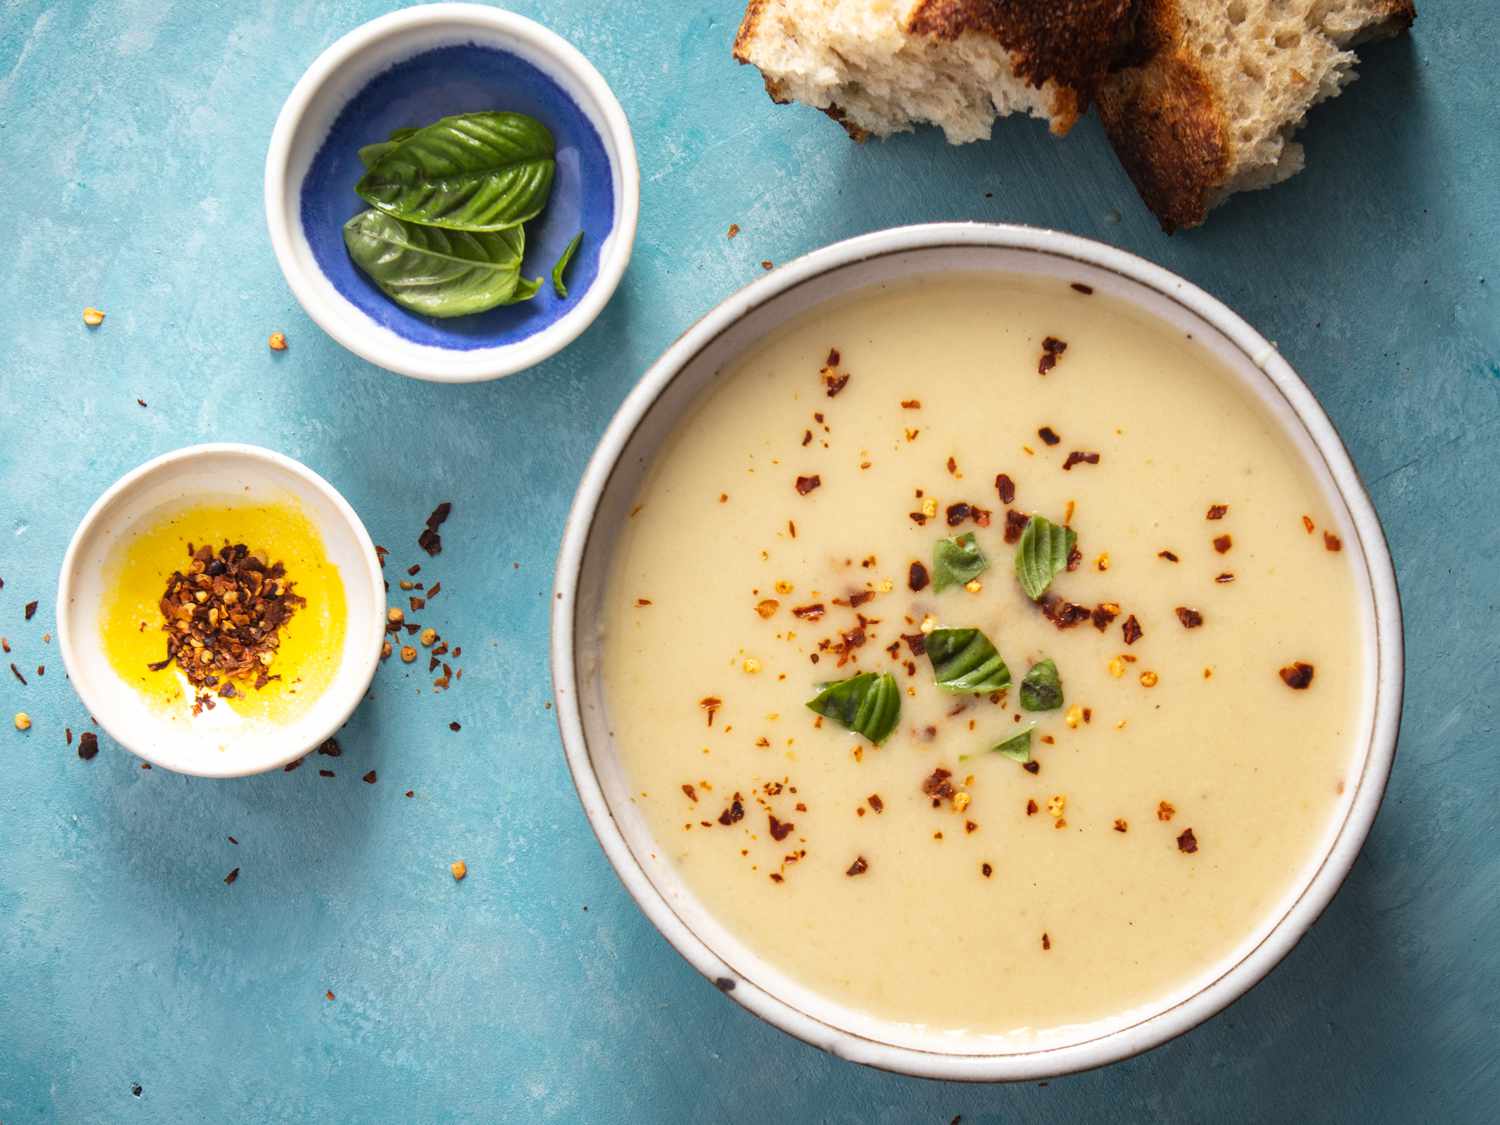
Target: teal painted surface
(133, 137)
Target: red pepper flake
(775, 878)
(453, 726)
(692, 794)
(859, 599)
(1104, 613)
(1217, 511)
(734, 229)
(414, 570)
(232, 840)
(1165, 810)
(290, 766)
(1227, 576)
(1121, 825)
(1297, 676)
(369, 778)
(16, 672)
(1078, 457)
(1332, 541)
(986, 870)
(1015, 523)
(911, 404)
(1132, 630)
(810, 612)
(1080, 287)
(875, 803)
(834, 381)
(88, 745)
(437, 588)
(916, 577)
(937, 786)
(641, 603)
(858, 867)
(1032, 766)
(807, 484)
(328, 995)
(231, 877)
(1006, 487)
(68, 734)
(325, 773)
(1170, 556)
(1223, 543)
(381, 553)
(917, 642)
(1064, 614)
(780, 829)
(430, 541)
(1046, 943)
(141, 403)
(1052, 350)
(30, 610)
(1031, 808)
(957, 513)
(806, 440)
(1187, 842)
(1075, 557)
(712, 703)
(330, 748)
(409, 793)
(1308, 524)
(734, 813)
(834, 358)
(1190, 618)
(1048, 435)
(953, 467)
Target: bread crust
(1069, 43)
(1166, 119)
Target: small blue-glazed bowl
(408, 69)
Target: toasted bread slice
(882, 66)
(1212, 92)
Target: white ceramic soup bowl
(219, 743)
(671, 389)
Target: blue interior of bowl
(418, 91)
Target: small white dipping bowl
(672, 388)
(408, 69)
(218, 743)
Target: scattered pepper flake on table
(88, 745)
(369, 778)
(734, 229)
(429, 540)
(231, 877)
(30, 610)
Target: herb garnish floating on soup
(1017, 747)
(1042, 554)
(1041, 688)
(866, 704)
(444, 234)
(964, 660)
(956, 561)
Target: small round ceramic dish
(409, 69)
(674, 387)
(217, 742)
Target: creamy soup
(1206, 633)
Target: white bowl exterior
(610, 485)
(341, 72)
(218, 743)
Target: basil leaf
(1017, 747)
(439, 272)
(1042, 554)
(867, 704)
(399, 135)
(963, 660)
(956, 561)
(372, 153)
(1041, 688)
(474, 171)
(526, 289)
(562, 264)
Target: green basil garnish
(1041, 688)
(562, 264)
(1017, 747)
(964, 660)
(371, 153)
(472, 171)
(956, 561)
(867, 704)
(439, 272)
(1042, 554)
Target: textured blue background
(133, 134)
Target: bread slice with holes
(882, 66)
(1212, 91)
